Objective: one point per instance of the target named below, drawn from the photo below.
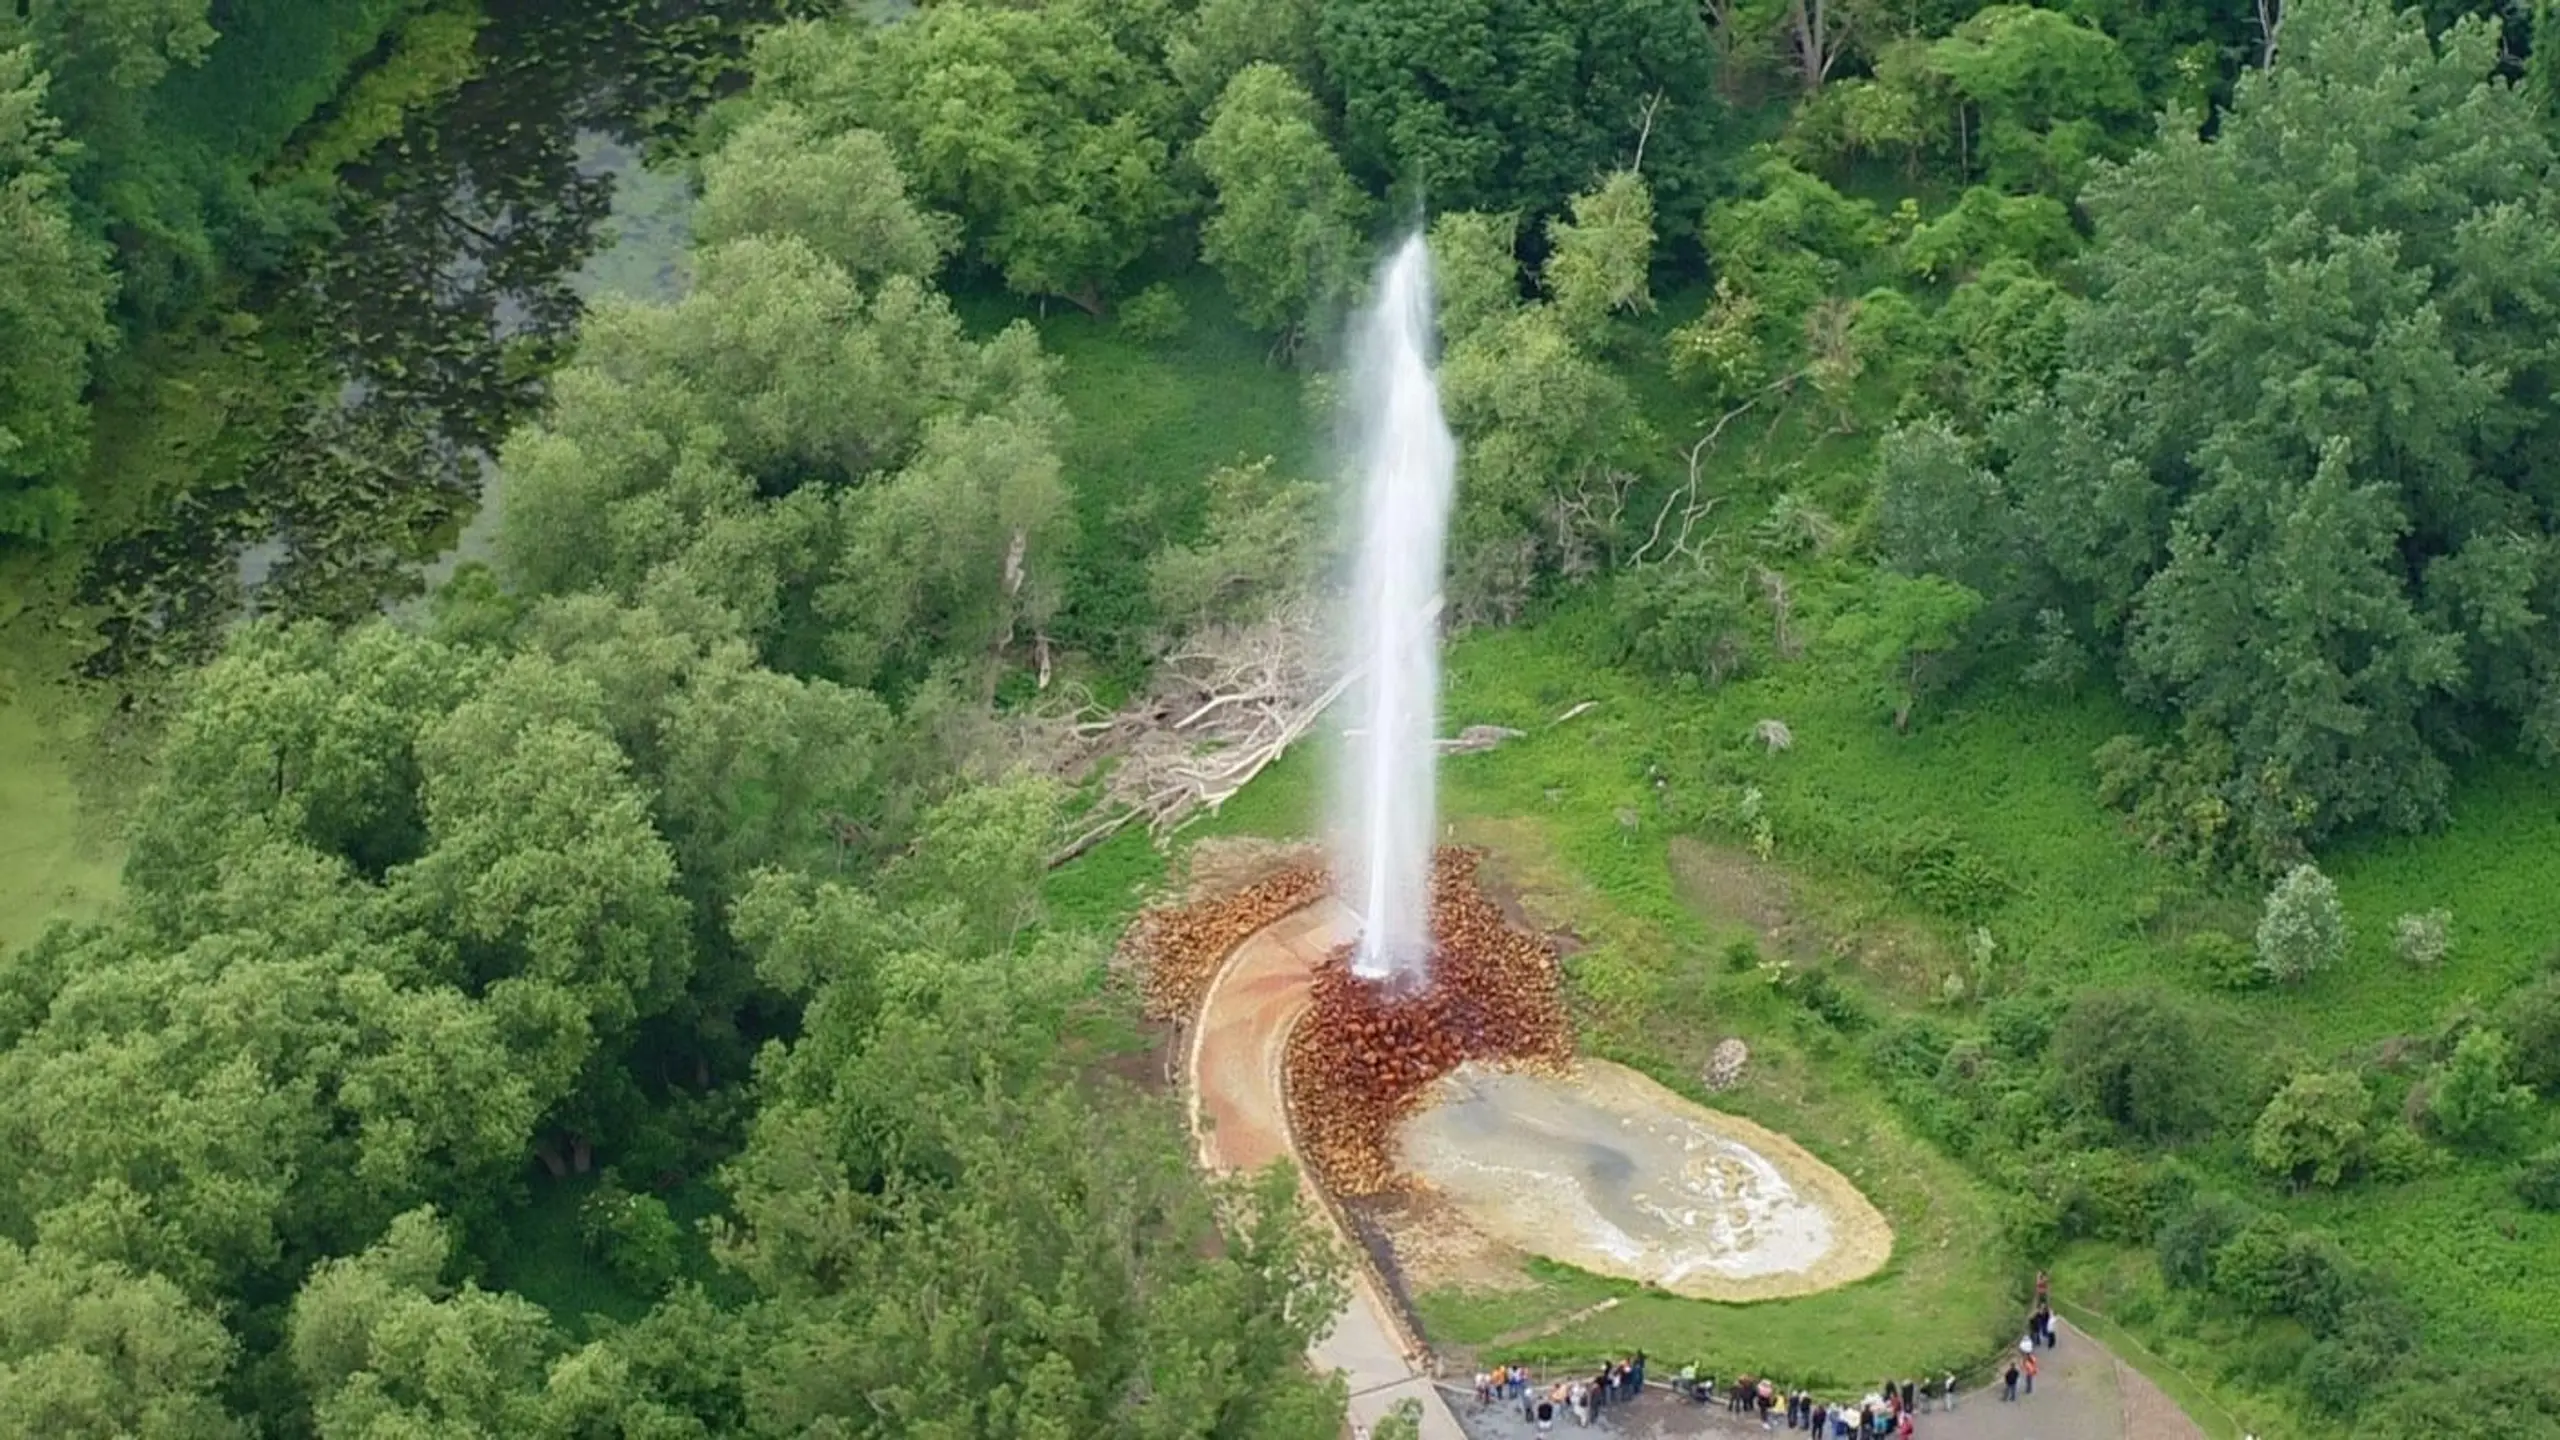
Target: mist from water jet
(1407, 467)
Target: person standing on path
(1951, 1390)
(2009, 1382)
(2029, 1365)
(1910, 1393)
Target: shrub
(1403, 1421)
(2134, 1059)
(2222, 961)
(2471, 1099)
(2532, 1016)
(1683, 620)
(1940, 870)
(2423, 939)
(635, 1235)
(2537, 1182)
(2193, 1234)
(2249, 1269)
(1828, 1000)
(2111, 1195)
(1154, 315)
(1912, 1048)
(2367, 1331)
(2270, 1353)
(2341, 1375)
(2269, 1268)
(2314, 1129)
(2304, 928)
(2397, 1153)
(2503, 1397)
(2022, 1026)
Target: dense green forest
(2056, 478)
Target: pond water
(367, 385)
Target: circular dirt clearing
(1604, 1169)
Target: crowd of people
(1886, 1413)
(1544, 1403)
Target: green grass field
(59, 858)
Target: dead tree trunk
(1818, 31)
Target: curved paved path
(1240, 1118)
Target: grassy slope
(2009, 773)
(58, 859)
(1151, 422)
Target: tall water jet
(1407, 470)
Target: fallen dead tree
(1223, 705)
(1221, 708)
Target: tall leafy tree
(1543, 427)
(1475, 270)
(713, 452)
(384, 1346)
(2043, 92)
(54, 288)
(92, 1351)
(777, 174)
(1599, 261)
(1209, 46)
(1518, 104)
(955, 1236)
(1284, 228)
(1036, 126)
(2296, 464)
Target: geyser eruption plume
(1408, 463)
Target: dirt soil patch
(1221, 865)
(1797, 920)
(1436, 1247)
(1735, 886)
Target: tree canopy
(2286, 470)
(1478, 105)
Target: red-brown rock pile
(1178, 949)
(1364, 1054)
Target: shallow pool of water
(1609, 1171)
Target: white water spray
(1408, 466)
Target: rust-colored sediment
(1366, 1053)
(1178, 948)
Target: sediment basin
(1604, 1169)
